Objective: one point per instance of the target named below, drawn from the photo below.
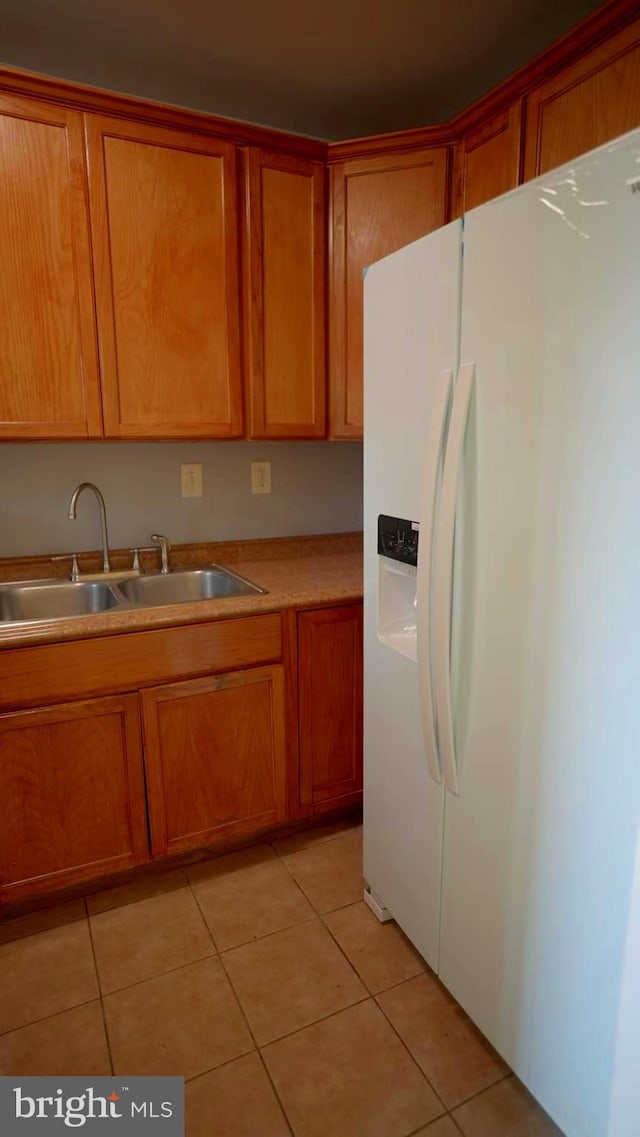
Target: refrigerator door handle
(425, 557)
(444, 572)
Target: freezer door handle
(444, 572)
(433, 457)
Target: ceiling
(328, 68)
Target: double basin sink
(23, 601)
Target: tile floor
(262, 978)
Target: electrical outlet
(191, 479)
(261, 477)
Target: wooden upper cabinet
(165, 236)
(487, 160)
(330, 710)
(586, 104)
(378, 204)
(215, 757)
(284, 281)
(71, 794)
(48, 352)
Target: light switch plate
(261, 477)
(191, 479)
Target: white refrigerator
(502, 670)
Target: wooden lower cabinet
(179, 761)
(216, 759)
(330, 706)
(72, 802)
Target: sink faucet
(106, 564)
(164, 549)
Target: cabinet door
(71, 794)
(487, 161)
(284, 296)
(165, 236)
(48, 348)
(589, 103)
(378, 205)
(330, 692)
(215, 757)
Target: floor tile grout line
(158, 975)
(501, 1078)
(244, 1017)
(408, 979)
(314, 1022)
(412, 1057)
(203, 917)
(448, 1108)
(457, 1125)
(212, 1069)
(53, 1015)
(266, 935)
(279, 1100)
(484, 1090)
(269, 935)
(169, 970)
(301, 887)
(322, 1018)
(374, 994)
(312, 915)
(104, 1017)
(318, 911)
(351, 965)
(216, 954)
(421, 1128)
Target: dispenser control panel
(398, 539)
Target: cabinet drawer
(55, 672)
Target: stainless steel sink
(21, 601)
(186, 585)
(53, 600)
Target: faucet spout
(106, 564)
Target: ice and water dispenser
(397, 583)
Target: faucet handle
(164, 549)
(136, 566)
(75, 568)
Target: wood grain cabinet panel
(330, 707)
(487, 160)
(588, 103)
(165, 236)
(378, 204)
(285, 240)
(71, 794)
(48, 351)
(215, 757)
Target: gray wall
(317, 488)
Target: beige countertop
(297, 572)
